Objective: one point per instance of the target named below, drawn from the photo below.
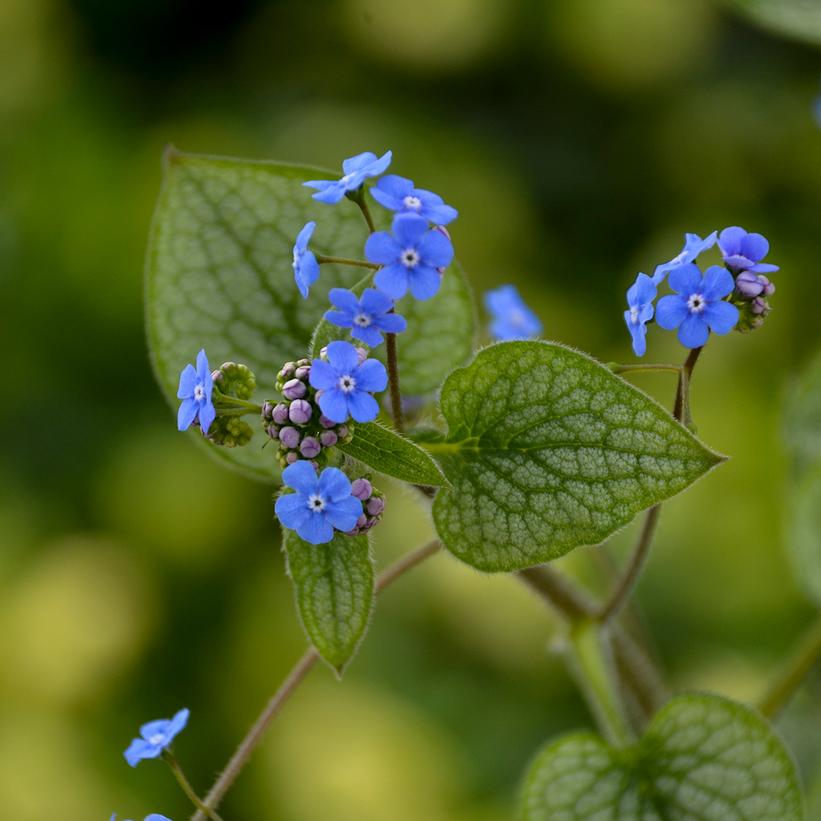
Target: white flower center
(348, 178)
(634, 315)
(516, 318)
(410, 257)
(158, 739)
(297, 259)
(346, 383)
(696, 303)
(412, 203)
(316, 503)
(199, 393)
(362, 320)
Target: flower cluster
(716, 301)
(373, 505)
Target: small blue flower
(368, 317)
(156, 737)
(693, 246)
(195, 390)
(640, 296)
(744, 251)
(698, 307)
(153, 817)
(412, 257)
(319, 503)
(357, 169)
(346, 385)
(305, 265)
(399, 194)
(512, 319)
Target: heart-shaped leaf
(703, 758)
(334, 590)
(547, 449)
(388, 452)
(219, 276)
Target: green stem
(174, 765)
(592, 659)
(794, 671)
(359, 263)
(393, 382)
(624, 587)
(298, 672)
(222, 400)
(617, 367)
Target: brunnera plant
(344, 325)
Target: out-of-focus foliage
(138, 576)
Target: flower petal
(187, 414)
(177, 723)
(323, 376)
(722, 317)
(207, 414)
(755, 247)
(371, 376)
(358, 162)
(391, 323)
(717, 283)
(382, 248)
(693, 332)
(292, 510)
(140, 749)
(729, 240)
(344, 299)
(671, 311)
(332, 194)
(334, 484)
(344, 514)
(334, 404)
(370, 335)
(340, 319)
(392, 188)
(363, 407)
(763, 268)
(392, 280)
(188, 381)
(375, 302)
(409, 229)
(685, 279)
(315, 529)
(424, 282)
(436, 249)
(306, 273)
(343, 357)
(301, 476)
(304, 236)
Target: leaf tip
(171, 155)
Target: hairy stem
(804, 657)
(298, 673)
(359, 263)
(624, 586)
(175, 768)
(393, 382)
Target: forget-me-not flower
(693, 246)
(698, 306)
(156, 736)
(512, 319)
(744, 251)
(195, 390)
(319, 503)
(305, 265)
(346, 385)
(368, 317)
(411, 257)
(155, 816)
(399, 194)
(357, 169)
(640, 296)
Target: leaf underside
(334, 591)
(548, 450)
(703, 758)
(219, 276)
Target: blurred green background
(579, 140)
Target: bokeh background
(579, 139)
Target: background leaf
(547, 450)
(219, 276)
(334, 591)
(388, 452)
(804, 532)
(796, 18)
(704, 758)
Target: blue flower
(346, 385)
(357, 169)
(640, 296)
(512, 319)
(412, 256)
(196, 387)
(368, 317)
(698, 307)
(399, 194)
(153, 817)
(744, 251)
(319, 503)
(156, 737)
(306, 268)
(693, 246)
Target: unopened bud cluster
(234, 379)
(296, 422)
(751, 296)
(237, 381)
(373, 505)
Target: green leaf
(795, 18)
(219, 276)
(388, 452)
(334, 590)
(547, 450)
(703, 758)
(804, 532)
